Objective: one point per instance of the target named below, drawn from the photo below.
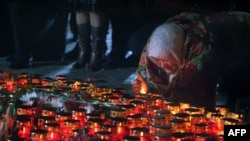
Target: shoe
(113, 60)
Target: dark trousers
(34, 31)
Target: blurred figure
(126, 16)
(92, 27)
(31, 23)
(6, 47)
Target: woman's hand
(139, 85)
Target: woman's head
(177, 55)
(165, 49)
(167, 43)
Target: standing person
(92, 26)
(126, 16)
(31, 22)
(184, 57)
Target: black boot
(98, 46)
(83, 45)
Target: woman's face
(169, 67)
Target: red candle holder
(166, 113)
(201, 137)
(117, 112)
(53, 131)
(129, 109)
(173, 108)
(141, 132)
(178, 125)
(104, 135)
(139, 106)
(49, 112)
(61, 117)
(121, 127)
(127, 98)
(152, 110)
(23, 126)
(108, 127)
(157, 120)
(178, 136)
(39, 135)
(162, 137)
(160, 129)
(44, 120)
(79, 114)
(137, 120)
(131, 138)
(94, 125)
(24, 110)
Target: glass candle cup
(157, 120)
(178, 125)
(39, 135)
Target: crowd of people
(36, 30)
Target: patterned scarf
(197, 54)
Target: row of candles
(144, 117)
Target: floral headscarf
(194, 53)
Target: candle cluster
(92, 112)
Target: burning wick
(142, 91)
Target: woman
(184, 57)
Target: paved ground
(115, 78)
(118, 77)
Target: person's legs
(120, 32)
(30, 22)
(83, 27)
(98, 32)
(21, 38)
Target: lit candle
(44, 120)
(10, 86)
(178, 136)
(24, 110)
(53, 131)
(162, 137)
(184, 106)
(104, 135)
(139, 106)
(61, 116)
(49, 112)
(39, 135)
(79, 114)
(131, 138)
(162, 129)
(117, 112)
(152, 110)
(173, 108)
(157, 120)
(201, 137)
(129, 109)
(94, 125)
(178, 125)
(166, 114)
(23, 126)
(143, 91)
